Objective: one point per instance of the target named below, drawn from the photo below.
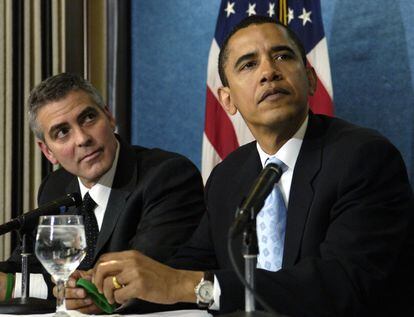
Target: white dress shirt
(100, 194)
(101, 190)
(288, 154)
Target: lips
(274, 93)
(91, 155)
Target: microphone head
(276, 169)
(254, 201)
(27, 221)
(76, 198)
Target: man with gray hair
(143, 199)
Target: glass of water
(60, 247)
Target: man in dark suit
(147, 199)
(348, 237)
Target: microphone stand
(250, 250)
(26, 305)
(24, 224)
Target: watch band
(208, 276)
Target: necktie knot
(88, 204)
(273, 159)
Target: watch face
(206, 291)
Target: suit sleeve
(172, 205)
(198, 253)
(368, 244)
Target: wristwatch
(204, 291)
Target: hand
(143, 278)
(76, 297)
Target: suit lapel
(248, 173)
(124, 183)
(301, 193)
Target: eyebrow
(251, 55)
(282, 48)
(64, 124)
(243, 58)
(56, 127)
(86, 111)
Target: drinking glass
(60, 247)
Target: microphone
(29, 219)
(254, 201)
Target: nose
(270, 71)
(82, 138)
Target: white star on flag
(290, 15)
(230, 8)
(271, 10)
(252, 9)
(305, 16)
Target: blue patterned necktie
(271, 227)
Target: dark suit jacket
(349, 236)
(155, 203)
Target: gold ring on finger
(116, 283)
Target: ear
(110, 117)
(312, 80)
(47, 152)
(226, 100)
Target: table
(175, 313)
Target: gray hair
(56, 88)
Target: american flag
(223, 133)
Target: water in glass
(60, 247)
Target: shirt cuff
(216, 295)
(38, 286)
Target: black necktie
(91, 230)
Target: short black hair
(56, 88)
(254, 19)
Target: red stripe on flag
(218, 127)
(321, 102)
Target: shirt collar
(289, 152)
(101, 190)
